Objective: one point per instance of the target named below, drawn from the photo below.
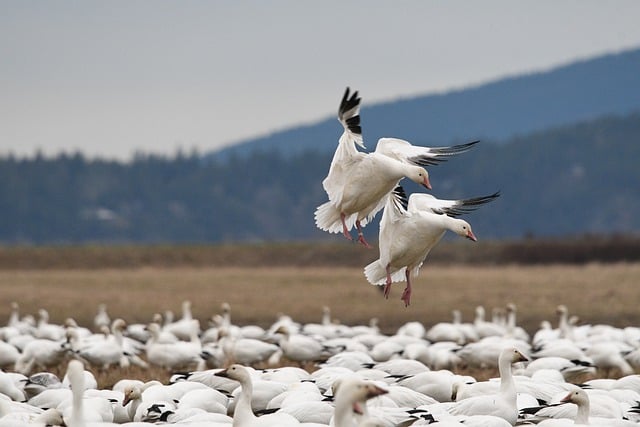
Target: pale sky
(112, 77)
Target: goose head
(118, 325)
(235, 372)
(577, 396)
(513, 355)
(356, 392)
(463, 229)
(131, 393)
(419, 175)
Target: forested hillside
(567, 181)
(494, 112)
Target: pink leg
(345, 231)
(387, 287)
(406, 294)
(361, 236)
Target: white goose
(243, 415)
(41, 354)
(102, 317)
(504, 403)
(351, 395)
(81, 411)
(172, 356)
(245, 351)
(298, 347)
(580, 398)
(410, 229)
(46, 330)
(183, 328)
(105, 351)
(358, 182)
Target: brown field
(597, 293)
(606, 293)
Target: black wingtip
(465, 206)
(348, 111)
(400, 198)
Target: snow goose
(46, 330)
(183, 328)
(172, 356)
(410, 229)
(10, 386)
(358, 182)
(513, 330)
(244, 351)
(437, 356)
(583, 414)
(503, 404)
(80, 410)
(243, 415)
(101, 318)
(608, 357)
(24, 325)
(103, 352)
(9, 354)
(454, 331)
(40, 353)
(351, 395)
(484, 328)
(571, 370)
(300, 348)
(436, 384)
(485, 353)
(352, 360)
(19, 416)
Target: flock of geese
(320, 374)
(328, 374)
(361, 184)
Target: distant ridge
(497, 111)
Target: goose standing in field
(46, 330)
(106, 351)
(358, 182)
(175, 355)
(409, 229)
(41, 354)
(183, 328)
(300, 348)
(245, 351)
(243, 415)
(81, 410)
(101, 318)
(503, 404)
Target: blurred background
(215, 122)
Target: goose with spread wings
(410, 228)
(358, 182)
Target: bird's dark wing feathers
(348, 112)
(441, 154)
(400, 199)
(467, 205)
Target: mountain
(584, 90)
(577, 179)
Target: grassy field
(598, 293)
(606, 293)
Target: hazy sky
(112, 77)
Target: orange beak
(426, 183)
(471, 236)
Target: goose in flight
(410, 228)
(358, 182)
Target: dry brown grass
(597, 293)
(606, 293)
